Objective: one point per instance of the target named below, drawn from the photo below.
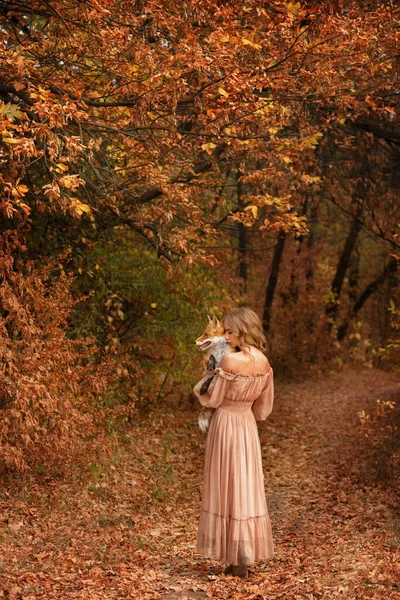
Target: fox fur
(213, 341)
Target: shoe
(239, 571)
(228, 570)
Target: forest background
(161, 161)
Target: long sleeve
(262, 406)
(216, 391)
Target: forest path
(128, 529)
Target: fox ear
(209, 318)
(216, 320)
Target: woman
(234, 524)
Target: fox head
(214, 329)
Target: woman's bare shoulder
(239, 362)
(230, 362)
(262, 359)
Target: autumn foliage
(46, 386)
(164, 160)
(160, 160)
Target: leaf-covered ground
(127, 529)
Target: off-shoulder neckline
(233, 375)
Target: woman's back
(251, 363)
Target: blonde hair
(247, 325)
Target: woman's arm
(262, 406)
(216, 391)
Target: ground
(126, 527)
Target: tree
(138, 107)
(122, 121)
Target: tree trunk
(273, 279)
(343, 264)
(354, 275)
(310, 243)
(242, 235)
(292, 294)
(390, 268)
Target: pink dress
(234, 524)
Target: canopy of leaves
(141, 140)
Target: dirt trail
(128, 530)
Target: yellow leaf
(247, 42)
(310, 178)
(208, 147)
(253, 209)
(62, 167)
(223, 92)
(153, 305)
(21, 189)
(10, 140)
(312, 141)
(293, 8)
(79, 207)
(10, 110)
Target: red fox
(212, 340)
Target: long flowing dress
(234, 523)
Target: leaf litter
(127, 528)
